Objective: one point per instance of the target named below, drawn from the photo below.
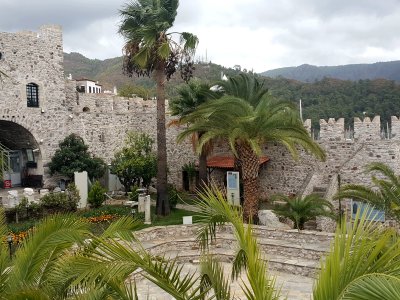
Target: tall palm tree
(384, 194)
(189, 97)
(247, 128)
(151, 49)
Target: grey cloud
(72, 14)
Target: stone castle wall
(103, 121)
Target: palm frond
(213, 277)
(215, 211)
(364, 248)
(39, 253)
(374, 286)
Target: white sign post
(81, 182)
(233, 188)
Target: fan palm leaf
(361, 249)
(375, 286)
(384, 194)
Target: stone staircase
(287, 251)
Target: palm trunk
(162, 206)
(203, 169)
(249, 165)
(203, 165)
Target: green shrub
(58, 202)
(134, 194)
(173, 196)
(96, 195)
(73, 193)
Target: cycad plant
(300, 210)
(384, 193)
(105, 265)
(28, 274)
(363, 263)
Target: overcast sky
(256, 34)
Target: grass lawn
(175, 218)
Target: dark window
(32, 95)
(90, 89)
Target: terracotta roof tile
(227, 162)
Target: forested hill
(109, 72)
(308, 73)
(326, 98)
(334, 98)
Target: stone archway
(24, 165)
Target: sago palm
(189, 97)
(300, 210)
(363, 263)
(384, 194)
(28, 274)
(152, 49)
(104, 267)
(247, 128)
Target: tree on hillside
(189, 97)
(247, 123)
(135, 163)
(151, 49)
(143, 92)
(73, 156)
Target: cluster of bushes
(49, 204)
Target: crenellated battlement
(333, 130)
(395, 128)
(367, 129)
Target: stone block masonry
(103, 121)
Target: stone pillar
(141, 205)
(147, 210)
(81, 182)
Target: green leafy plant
(96, 195)
(363, 262)
(73, 156)
(301, 210)
(190, 169)
(58, 202)
(135, 163)
(173, 196)
(384, 194)
(134, 194)
(73, 193)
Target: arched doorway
(22, 161)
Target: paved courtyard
(295, 287)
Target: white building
(84, 85)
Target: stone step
(184, 232)
(269, 246)
(295, 266)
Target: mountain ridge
(389, 70)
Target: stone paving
(293, 256)
(294, 287)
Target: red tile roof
(227, 162)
